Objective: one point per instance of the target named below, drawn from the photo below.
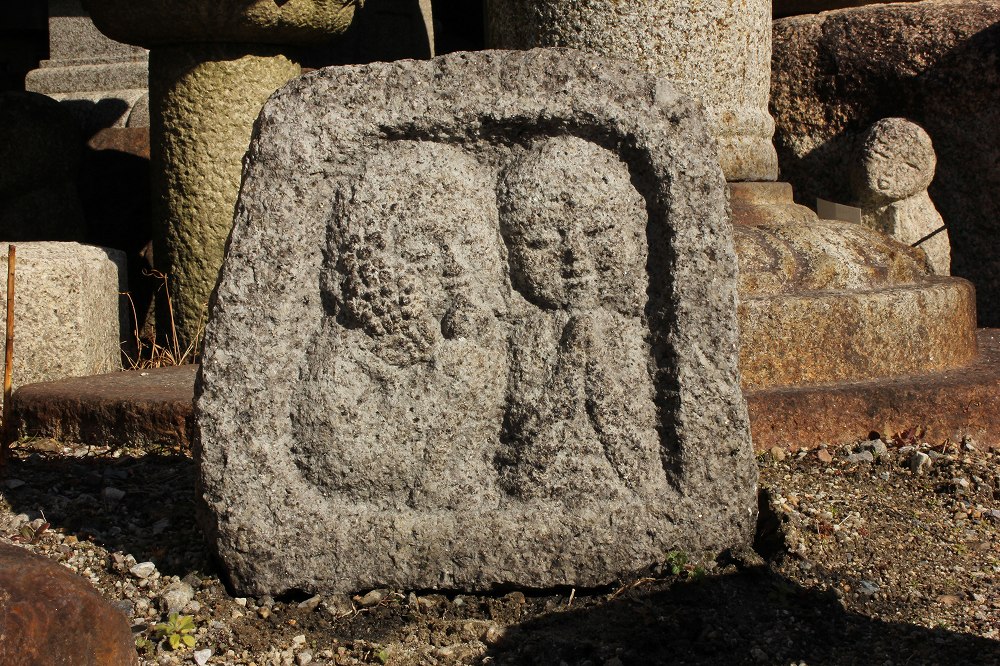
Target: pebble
(176, 596)
(778, 454)
(920, 462)
(861, 457)
(303, 658)
(370, 599)
(143, 570)
(201, 657)
(493, 634)
(112, 496)
(338, 605)
(877, 447)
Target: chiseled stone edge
(713, 503)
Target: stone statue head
(574, 227)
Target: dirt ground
(870, 553)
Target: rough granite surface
(716, 50)
(893, 170)
(158, 22)
(206, 97)
(67, 310)
(476, 327)
(896, 161)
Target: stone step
(153, 408)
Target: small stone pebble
(143, 570)
(370, 599)
(861, 457)
(920, 462)
(112, 496)
(201, 657)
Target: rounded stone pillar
(204, 99)
(213, 64)
(718, 50)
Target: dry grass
(149, 352)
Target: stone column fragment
(717, 50)
(213, 64)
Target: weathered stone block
(66, 309)
(476, 326)
(98, 79)
(155, 22)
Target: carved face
(574, 227)
(560, 261)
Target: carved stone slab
(476, 327)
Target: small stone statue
(895, 166)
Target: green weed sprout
(177, 630)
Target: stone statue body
(580, 417)
(411, 302)
(490, 299)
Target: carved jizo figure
(580, 418)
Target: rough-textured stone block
(66, 309)
(49, 615)
(98, 79)
(154, 22)
(783, 8)
(476, 326)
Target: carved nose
(575, 255)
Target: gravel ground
(869, 553)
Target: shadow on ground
(139, 505)
(754, 616)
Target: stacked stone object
(894, 168)
(102, 81)
(491, 301)
(50, 615)
(837, 73)
(821, 301)
(212, 63)
(67, 310)
(717, 50)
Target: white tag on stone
(827, 210)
